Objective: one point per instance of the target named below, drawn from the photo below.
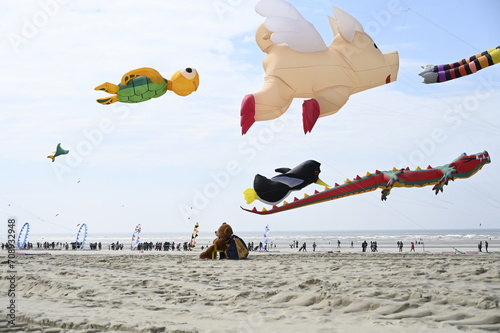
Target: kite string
(34, 216)
(403, 27)
(440, 27)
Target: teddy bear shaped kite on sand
(220, 244)
(300, 65)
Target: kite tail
(52, 157)
(442, 73)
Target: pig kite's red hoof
(247, 113)
(310, 113)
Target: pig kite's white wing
(289, 27)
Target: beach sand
(106, 291)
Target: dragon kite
(464, 166)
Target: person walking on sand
(303, 247)
(480, 246)
(338, 244)
(400, 246)
(412, 247)
(314, 246)
(486, 245)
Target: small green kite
(59, 151)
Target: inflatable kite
(299, 65)
(59, 151)
(274, 190)
(463, 167)
(142, 84)
(442, 73)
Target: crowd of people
(162, 246)
(172, 246)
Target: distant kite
(442, 73)
(463, 167)
(142, 84)
(59, 151)
(300, 65)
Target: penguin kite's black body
(274, 190)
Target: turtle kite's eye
(189, 73)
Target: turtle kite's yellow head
(184, 82)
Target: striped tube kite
(442, 73)
(464, 166)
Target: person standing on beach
(400, 246)
(480, 246)
(364, 245)
(338, 244)
(303, 247)
(486, 245)
(314, 246)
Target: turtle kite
(144, 83)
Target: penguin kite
(274, 190)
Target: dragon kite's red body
(463, 167)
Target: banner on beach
(266, 238)
(136, 237)
(194, 236)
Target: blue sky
(172, 161)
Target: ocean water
(280, 241)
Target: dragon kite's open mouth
(388, 79)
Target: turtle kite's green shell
(141, 89)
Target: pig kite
(299, 65)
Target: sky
(173, 161)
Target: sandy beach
(107, 291)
